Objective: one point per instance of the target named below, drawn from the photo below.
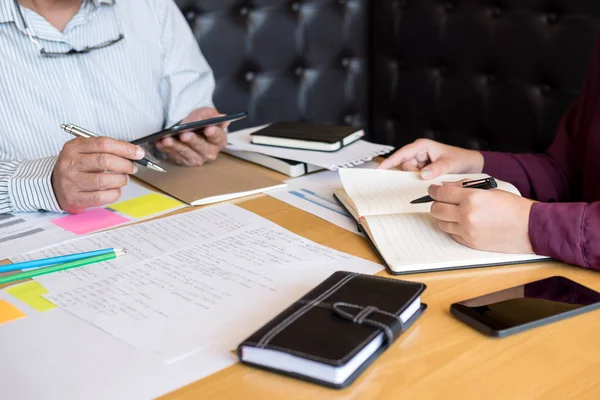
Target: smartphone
(526, 306)
(189, 126)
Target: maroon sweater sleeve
(567, 231)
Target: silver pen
(84, 133)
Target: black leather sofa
(488, 74)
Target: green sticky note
(31, 293)
(146, 205)
(8, 312)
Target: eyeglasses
(45, 53)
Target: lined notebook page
(380, 192)
(411, 242)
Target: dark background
(486, 74)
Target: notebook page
(411, 242)
(380, 192)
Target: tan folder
(224, 179)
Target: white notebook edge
(232, 196)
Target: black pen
(84, 133)
(487, 183)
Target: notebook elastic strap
(371, 316)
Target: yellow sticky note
(146, 205)
(8, 312)
(31, 293)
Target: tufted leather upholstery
(487, 74)
(285, 60)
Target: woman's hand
(492, 220)
(433, 159)
(195, 148)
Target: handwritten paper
(170, 305)
(89, 221)
(31, 293)
(8, 312)
(142, 242)
(147, 205)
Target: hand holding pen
(90, 171)
(486, 183)
(490, 220)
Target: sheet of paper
(413, 241)
(164, 305)
(313, 193)
(24, 232)
(142, 242)
(31, 293)
(8, 312)
(88, 358)
(355, 154)
(147, 205)
(21, 233)
(379, 192)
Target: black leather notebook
(307, 136)
(337, 330)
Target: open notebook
(404, 233)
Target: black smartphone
(526, 306)
(189, 126)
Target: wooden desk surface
(439, 357)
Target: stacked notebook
(354, 151)
(290, 168)
(307, 136)
(337, 330)
(404, 234)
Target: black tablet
(526, 306)
(190, 126)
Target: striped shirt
(152, 78)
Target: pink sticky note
(89, 221)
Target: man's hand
(491, 220)
(91, 172)
(433, 159)
(195, 148)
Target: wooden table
(439, 357)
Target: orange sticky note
(8, 312)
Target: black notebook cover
(325, 325)
(307, 132)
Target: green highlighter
(61, 267)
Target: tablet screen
(528, 303)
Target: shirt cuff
(30, 186)
(555, 230)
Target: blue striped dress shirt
(154, 77)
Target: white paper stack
(355, 154)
